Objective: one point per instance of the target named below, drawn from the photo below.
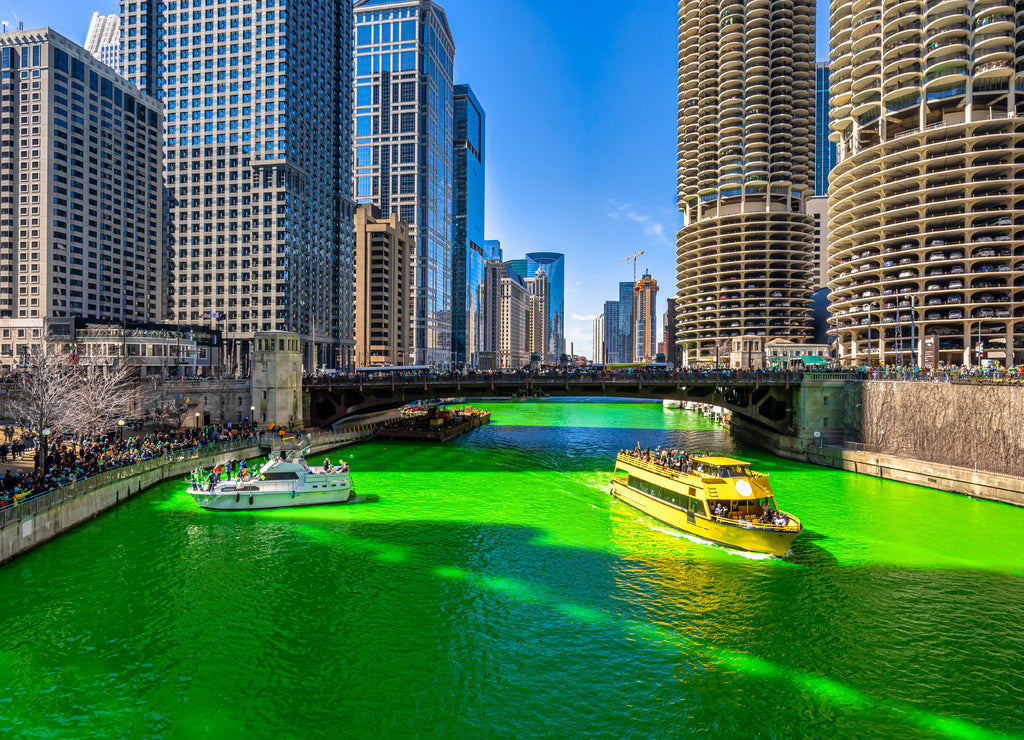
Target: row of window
(687, 503)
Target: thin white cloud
(580, 317)
(652, 227)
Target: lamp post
(252, 414)
(45, 434)
(197, 422)
(914, 358)
(120, 430)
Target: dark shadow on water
(805, 550)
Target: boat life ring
(743, 488)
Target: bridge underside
(769, 406)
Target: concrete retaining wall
(956, 479)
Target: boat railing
(670, 472)
(791, 525)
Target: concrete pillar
(277, 378)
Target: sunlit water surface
(496, 590)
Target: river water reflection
(495, 589)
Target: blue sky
(581, 131)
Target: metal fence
(31, 506)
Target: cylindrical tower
(926, 214)
(746, 166)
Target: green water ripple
(495, 590)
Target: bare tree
(167, 407)
(45, 399)
(102, 399)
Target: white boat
(285, 480)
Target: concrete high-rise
(506, 316)
(746, 147)
(81, 202)
(257, 137)
(925, 218)
(597, 353)
(404, 56)
(671, 354)
(540, 306)
(553, 265)
(645, 319)
(104, 39)
(468, 250)
(383, 289)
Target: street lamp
(120, 430)
(45, 434)
(252, 414)
(197, 421)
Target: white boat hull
(238, 496)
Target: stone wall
(977, 426)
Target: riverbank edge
(94, 496)
(952, 479)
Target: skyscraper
(611, 332)
(81, 179)
(746, 106)
(258, 164)
(597, 354)
(925, 213)
(824, 148)
(104, 39)
(404, 55)
(553, 265)
(671, 354)
(383, 289)
(625, 342)
(468, 254)
(645, 318)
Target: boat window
(281, 476)
(680, 500)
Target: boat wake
(707, 543)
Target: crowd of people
(69, 460)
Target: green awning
(812, 360)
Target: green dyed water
(496, 590)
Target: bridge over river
(787, 404)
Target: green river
(495, 590)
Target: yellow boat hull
(741, 537)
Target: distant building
(468, 250)
(553, 265)
(104, 39)
(645, 318)
(626, 346)
(404, 133)
(781, 352)
(383, 289)
(670, 350)
(612, 334)
(507, 316)
(540, 303)
(825, 151)
(598, 353)
(89, 199)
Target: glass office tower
(553, 265)
(404, 54)
(625, 343)
(468, 251)
(824, 149)
(257, 165)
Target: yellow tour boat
(715, 498)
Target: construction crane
(633, 257)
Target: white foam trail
(700, 541)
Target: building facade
(258, 163)
(612, 333)
(925, 219)
(553, 265)
(597, 354)
(104, 39)
(671, 352)
(825, 152)
(506, 317)
(383, 289)
(645, 319)
(468, 250)
(746, 148)
(540, 305)
(81, 202)
(626, 345)
(404, 132)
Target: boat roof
(723, 461)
